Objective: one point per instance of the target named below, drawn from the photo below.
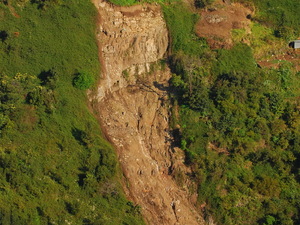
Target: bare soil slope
(219, 19)
(133, 107)
(136, 120)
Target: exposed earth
(133, 106)
(217, 22)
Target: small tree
(83, 80)
(269, 220)
(203, 3)
(43, 4)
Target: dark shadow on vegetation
(55, 177)
(203, 3)
(79, 135)
(47, 77)
(3, 35)
(73, 209)
(40, 211)
(87, 221)
(60, 146)
(43, 4)
(296, 167)
(9, 49)
(198, 4)
(177, 137)
(175, 65)
(82, 176)
(8, 177)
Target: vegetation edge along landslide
(238, 123)
(55, 166)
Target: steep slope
(130, 38)
(132, 104)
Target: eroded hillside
(133, 107)
(130, 38)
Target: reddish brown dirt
(218, 20)
(291, 55)
(219, 150)
(13, 11)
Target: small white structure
(295, 44)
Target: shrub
(83, 81)
(203, 3)
(43, 4)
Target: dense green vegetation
(240, 133)
(181, 27)
(239, 124)
(55, 167)
(282, 15)
(83, 80)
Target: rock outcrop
(133, 108)
(130, 39)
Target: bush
(83, 81)
(203, 3)
(43, 4)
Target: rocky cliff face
(130, 39)
(133, 107)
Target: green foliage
(283, 16)
(55, 166)
(43, 4)
(239, 58)
(239, 124)
(203, 3)
(236, 132)
(133, 2)
(270, 220)
(123, 2)
(83, 81)
(181, 21)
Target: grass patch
(181, 21)
(134, 2)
